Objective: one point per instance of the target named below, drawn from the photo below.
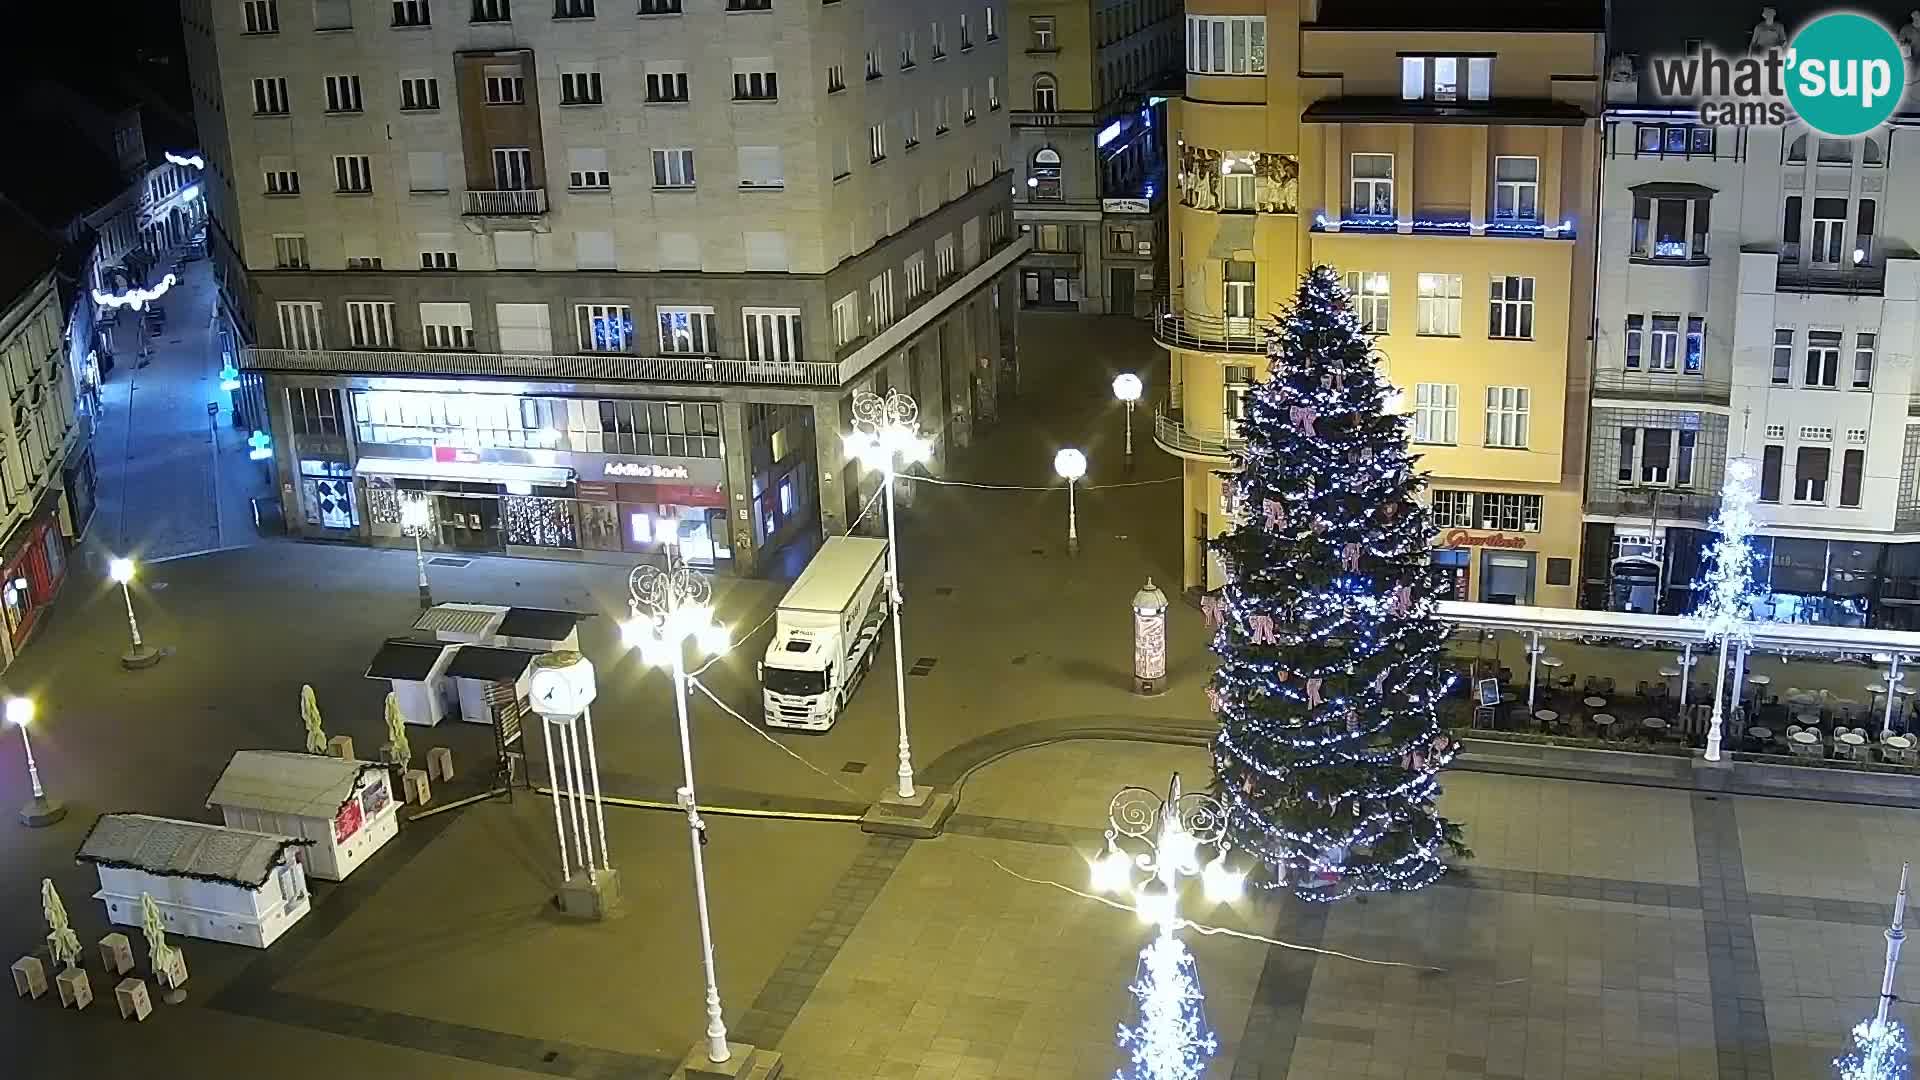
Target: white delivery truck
(825, 633)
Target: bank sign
(1843, 74)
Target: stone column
(739, 466)
(831, 471)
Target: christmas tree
(1329, 683)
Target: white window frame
(505, 89)
(437, 251)
(1436, 414)
(611, 325)
(1663, 342)
(915, 271)
(260, 16)
(1236, 382)
(1452, 509)
(1831, 243)
(1237, 183)
(1466, 78)
(1822, 370)
(443, 336)
(587, 169)
(412, 13)
(687, 330)
(673, 169)
(580, 86)
(754, 79)
(370, 324)
(1511, 196)
(419, 93)
(1239, 296)
(846, 320)
(1510, 313)
(876, 143)
(350, 170)
(772, 334)
(1804, 486)
(1507, 417)
(1783, 353)
(1439, 305)
(343, 94)
(880, 309)
(1227, 44)
(1368, 188)
(300, 324)
(945, 263)
(1372, 294)
(667, 84)
(766, 164)
(270, 96)
(513, 168)
(1864, 345)
(290, 252)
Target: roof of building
(27, 253)
(490, 663)
(1517, 16)
(405, 659)
(74, 178)
(545, 624)
(170, 847)
(289, 782)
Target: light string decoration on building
(1726, 609)
(1880, 1043)
(194, 161)
(1384, 222)
(134, 298)
(1171, 1040)
(1329, 683)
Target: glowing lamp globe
(1071, 464)
(1112, 872)
(562, 684)
(121, 570)
(20, 711)
(1127, 387)
(1155, 904)
(1223, 884)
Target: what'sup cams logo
(1843, 74)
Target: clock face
(564, 690)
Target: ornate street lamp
(39, 810)
(1071, 464)
(416, 517)
(1126, 387)
(139, 655)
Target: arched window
(1043, 176)
(1046, 93)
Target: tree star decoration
(1172, 1040)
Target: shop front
(33, 566)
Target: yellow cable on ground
(721, 811)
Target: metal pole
(126, 592)
(716, 1028)
(1896, 933)
(599, 805)
(1073, 524)
(1740, 656)
(1686, 676)
(553, 785)
(1893, 673)
(420, 564)
(905, 788)
(1129, 432)
(574, 814)
(1713, 726)
(1533, 669)
(33, 770)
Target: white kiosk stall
(542, 630)
(345, 809)
(461, 624)
(209, 881)
(418, 672)
(485, 675)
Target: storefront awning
(485, 472)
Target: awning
(485, 472)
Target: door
(470, 523)
(1120, 290)
(1506, 577)
(1030, 287)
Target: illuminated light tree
(1172, 1040)
(1726, 610)
(1329, 682)
(1880, 1043)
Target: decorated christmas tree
(1329, 683)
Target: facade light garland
(135, 298)
(1381, 223)
(191, 162)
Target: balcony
(1176, 438)
(1206, 333)
(598, 367)
(1671, 504)
(524, 202)
(1663, 386)
(1865, 279)
(1053, 118)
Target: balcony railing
(527, 202)
(1674, 387)
(1207, 333)
(1868, 279)
(1173, 435)
(1670, 504)
(603, 367)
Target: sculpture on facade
(1909, 37)
(1199, 177)
(1276, 183)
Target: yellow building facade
(1450, 175)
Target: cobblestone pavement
(1605, 930)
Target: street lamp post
(416, 517)
(886, 436)
(140, 655)
(1126, 387)
(39, 811)
(670, 609)
(1071, 464)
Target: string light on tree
(1726, 610)
(1329, 683)
(1171, 1040)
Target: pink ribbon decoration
(1302, 417)
(1350, 557)
(1213, 699)
(1276, 512)
(1210, 607)
(1313, 693)
(1262, 626)
(1402, 599)
(1322, 525)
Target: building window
(1372, 299)
(1438, 306)
(1436, 414)
(1372, 185)
(436, 252)
(1853, 464)
(343, 93)
(754, 80)
(1863, 345)
(761, 167)
(1810, 466)
(314, 410)
(1770, 467)
(1452, 509)
(281, 179)
(688, 330)
(846, 320)
(604, 328)
(1505, 512)
(1670, 228)
(270, 97)
(1829, 233)
(1438, 78)
(943, 257)
(1636, 341)
(1665, 352)
(1863, 232)
(580, 87)
(993, 94)
(1236, 183)
(419, 92)
(573, 9)
(262, 16)
(1237, 381)
(966, 33)
(411, 13)
(1043, 182)
(1516, 189)
(915, 271)
(993, 32)
(1782, 357)
(1507, 417)
(666, 84)
(1511, 308)
(352, 174)
(773, 334)
(506, 90)
(488, 11)
(877, 143)
(370, 324)
(880, 301)
(1046, 93)
(1823, 360)
(1668, 139)
(587, 169)
(299, 324)
(1238, 281)
(447, 326)
(1227, 44)
(673, 168)
(290, 252)
(1039, 35)
(836, 78)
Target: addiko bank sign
(1461, 538)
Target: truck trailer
(826, 632)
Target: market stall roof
(544, 624)
(289, 782)
(1678, 629)
(490, 663)
(473, 620)
(188, 849)
(405, 659)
